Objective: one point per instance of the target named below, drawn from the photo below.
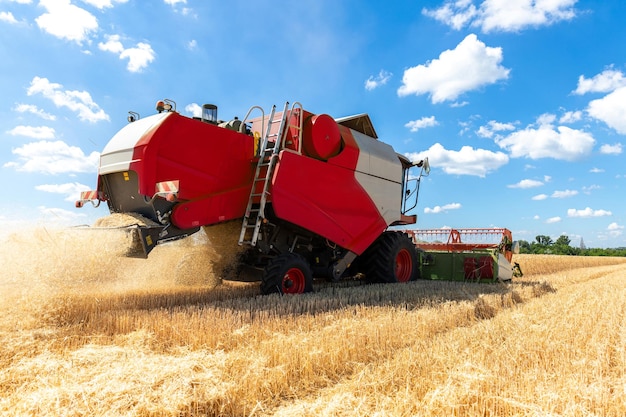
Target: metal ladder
(268, 156)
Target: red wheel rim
(404, 266)
(293, 282)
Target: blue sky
(519, 105)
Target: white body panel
(118, 153)
(379, 172)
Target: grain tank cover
(359, 122)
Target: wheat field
(86, 332)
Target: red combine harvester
(313, 195)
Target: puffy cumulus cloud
(194, 110)
(526, 184)
(376, 81)
(77, 101)
(492, 128)
(416, 125)
(466, 161)
(71, 190)
(539, 197)
(53, 157)
(546, 141)
(588, 212)
(138, 57)
(35, 132)
(607, 81)
(66, 21)
(553, 220)
(615, 149)
(7, 17)
(104, 4)
(30, 108)
(503, 15)
(611, 109)
(442, 209)
(564, 194)
(469, 66)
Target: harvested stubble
(128, 338)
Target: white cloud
(611, 149)
(503, 15)
(56, 157)
(469, 66)
(35, 132)
(139, 57)
(194, 109)
(66, 21)
(564, 194)
(416, 125)
(611, 109)
(192, 45)
(71, 190)
(571, 117)
(588, 212)
(596, 170)
(588, 190)
(102, 4)
(526, 184)
(545, 141)
(442, 209)
(174, 3)
(539, 197)
(30, 108)
(615, 229)
(7, 17)
(553, 220)
(77, 101)
(466, 161)
(376, 81)
(112, 44)
(605, 82)
(455, 14)
(492, 127)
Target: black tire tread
(276, 269)
(379, 258)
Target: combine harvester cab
(308, 194)
(478, 254)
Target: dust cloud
(41, 265)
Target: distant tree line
(545, 245)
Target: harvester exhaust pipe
(209, 113)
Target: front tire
(288, 273)
(391, 258)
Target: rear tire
(391, 258)
(288, 273)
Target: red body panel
(214, 167)
(327, 199)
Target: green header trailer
(476, 255)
